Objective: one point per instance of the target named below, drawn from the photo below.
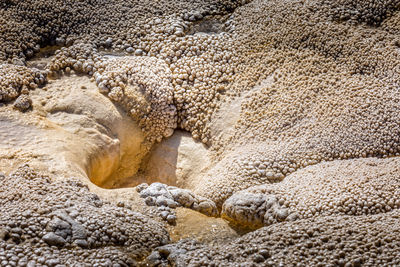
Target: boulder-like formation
(357, 187)
(170, 197)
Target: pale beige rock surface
(208, 133)
(177, 160)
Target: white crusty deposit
(296, 103)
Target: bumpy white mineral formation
(279, 120)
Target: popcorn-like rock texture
(138, 28)
(359, 187)
(253, 209)
(296, 101)
(320, 241)
(167, 198)
(317, 85)
(62, 223)
(16, 80)
(142, 85)
(23, 103)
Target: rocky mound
(62, 223)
